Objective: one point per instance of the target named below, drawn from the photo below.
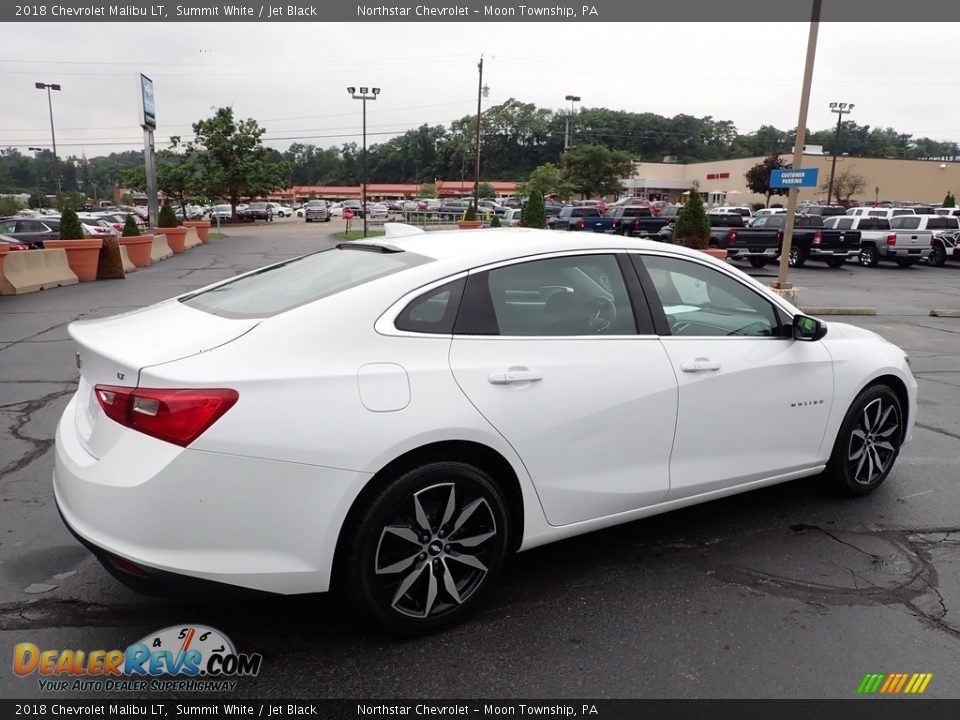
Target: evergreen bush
(130, 227)
(534, 214)
(70, 227)
(471, 213)
(168, 218)
(692, 226)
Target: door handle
(699, 365)
(514, 376)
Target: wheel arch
(482, 456)
(900, 390)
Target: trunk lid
(114, 350)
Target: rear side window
(842, 223)
(434, 311)
(279, 288)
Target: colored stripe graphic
(894, 683)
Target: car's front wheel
(426, 547)
(868, 442)
(798, 257)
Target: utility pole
(476, 167)
(841, 109)
(567, 137)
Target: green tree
(9, 206)
(596, 170)
(428, 190)
(70, 227)
(471, 213)
(232, 161)
(846, 184)
(38, 200)
(130, 227)
(176, 176)
(949, 200)
(692, 226)
(758, 177)
(74, 200)
(168, 218)
(495, 221)
(548, 180)
(485, 190)
(534, 214)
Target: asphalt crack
(24, 412)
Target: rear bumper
(233, 520)
(826, 253)
(769, 253)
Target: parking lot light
(841, 109)
(56, 162)
(364, 95)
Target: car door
(753, 403)
(560, 361)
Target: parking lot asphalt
(786, 592)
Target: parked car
(223, 213)
(281, 210)
(744, 212)
(720, 226)
(637, 221)
(874, 231)
(11, 243)
(316, 211)
(429, 431)
(255, 211)
(31, 231)
(95, 226)
(762, 241)
(907, 243)
(880, 212)
(944, 247)
(582, 217)
(762, 212)
(511, 217)
(822, 210)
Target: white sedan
(402, 414)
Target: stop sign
(347, 214)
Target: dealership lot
(784, 592)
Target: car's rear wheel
(868, 442)
(937, 257)
(426, 547)
(798, 257)
(869, 257)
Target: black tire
(328, 219)
(872, 432)
(937, 257)
(798, 257)
(869, 257)
(757, 262)
(836, 262)
(904, 263)
(456, 501)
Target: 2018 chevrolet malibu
(395, 417)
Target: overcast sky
(292, 77)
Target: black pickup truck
(581, 217)
(720, 225)
(637, 220)
(762, 241)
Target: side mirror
(808, 328)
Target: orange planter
(175, 237)
(3, 254)
(470, 224)
(717, 253)
(202, 226)
(82, 255)
(138, 248)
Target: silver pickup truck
(904, 239)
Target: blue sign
(149, 108)
(794, 178)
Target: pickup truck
(762, 242)
(637, 220)
(720, 225)
(946, 245)
(908, 242)
(873, 230)
(581, 218)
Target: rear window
(874, 223)
(942, 223)
(282, 287)
(905, 222)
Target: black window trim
(662, 327)
(386, 323)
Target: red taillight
(779, 237)
(16, 246)
(580, 224)
(817, 237)
(731, 237)
(177, 416)
(892, 239)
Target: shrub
(130, 227)
(534, 214)
(9, 206)
(495, 221)
(949, 200)
(70, 227)
(692, 227)
(471, 213)
(168, 218)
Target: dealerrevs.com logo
(198, 658)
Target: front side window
(566, 296)
(700, 301)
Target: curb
(945, 312)
(842, 310)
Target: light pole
(56, 162)
(566, 137)
(840, 109)
(476, 159)
(36, 158)
(364, 95)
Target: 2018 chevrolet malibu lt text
(393, 418)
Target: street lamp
(566, 137)
(56, 162)
(364, 95)
(40, 195)
(840, 109)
